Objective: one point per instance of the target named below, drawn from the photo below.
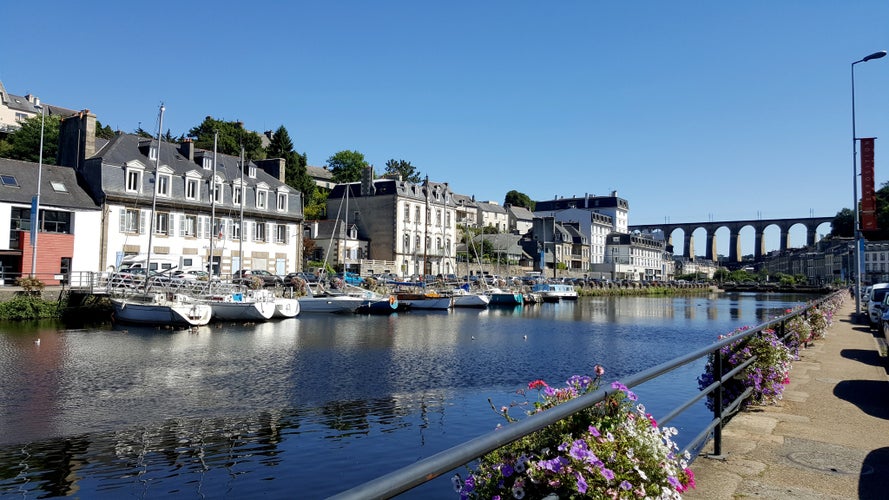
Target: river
(311, 406)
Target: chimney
(77, 139)
(367, 181)
(186, 149)
(275, 167)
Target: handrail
(424, 470)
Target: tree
(316, 205)
(842, 224)
(104, 132)
(347, 166)
(231, 136)
(518, 199)
(24, 143)
(404, 170)
(296, 172)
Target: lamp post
(855, 224)
(35, 210)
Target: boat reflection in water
(313, 406)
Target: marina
(322, 401)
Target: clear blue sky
(692, 111)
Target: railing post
(717, 405)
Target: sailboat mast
(241, 222)
(157, 162)
(426, 231)
(213, 205)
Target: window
(65, 265)
(134, 180)
(417, 215)
(237, 194)
(281, 233)
(207, 163)
(58, 187)
(20, 117)
(162, 223)
(251, 172)
(417, 243)
(9, 180)
(189, 226)
(438, 217)
(259, 231)
(261, 196)
(282, 202)
(131, 221)
(407, 243)
(192, 189)
(152, 152)
(448, 219)
(236, 230)
(438, 244)
(163, 184)
(407, 212)
(217, 194)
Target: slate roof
(26, 173)
(319, 173)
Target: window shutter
(182, 226)
(143, 225)
(123, 220)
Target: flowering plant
(767, 375)
(613, 449)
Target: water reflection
(248, 410)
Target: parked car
(350, 278)
(192, 275)
(876, 304)
(245, 277)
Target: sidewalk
(828, 438)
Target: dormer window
(152, 152)
(163, 184)
(134, 180)
(281, 205)
(207, 163)
(192, 189)
(237, 193)
(217, 193)
(251, 171)
(261, 198)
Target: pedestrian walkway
(828, 438)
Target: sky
(691, 111)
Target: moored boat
(286, 307)
(160, 309)
(465, 298)
(504, 297)
(554, 292)
(319, 300)
(250, 305)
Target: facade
(490, 214)
(520, 219)
(634, 257)
(322, 177)
(612, 206)
(413, 225)
(337, 244)
(594, 226)
(201, 202)
(64, 207)
(15, 109)
(467, 210)
(550, 244)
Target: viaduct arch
(734, 227)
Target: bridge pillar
(711, 245)
(785, 238)
(689, 251)
(734, 246)
(810, 235)
(759, 248)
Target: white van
(162, 262)
(875, 306)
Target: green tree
(316, 205)
(404, 170)
(24, 143)
(231, 136)
(347, 166)
(518, 199)
(296, 173)
(104, 132)
(841, 226)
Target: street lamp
(855, 225)
(35, 204)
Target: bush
(23, 307)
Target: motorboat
(555, 292)
(160, 309)
(504, 297)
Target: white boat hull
(242, 311)
(154, 309)
(286, 308)
(333, 304)
(471, 300)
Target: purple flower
(607, 473)
(625, 485)
(594, 431)
(506, 470)
(581, 483)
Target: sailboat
(158, 307)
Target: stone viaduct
(734, 228)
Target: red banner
(868, 199)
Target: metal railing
(445, 461)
